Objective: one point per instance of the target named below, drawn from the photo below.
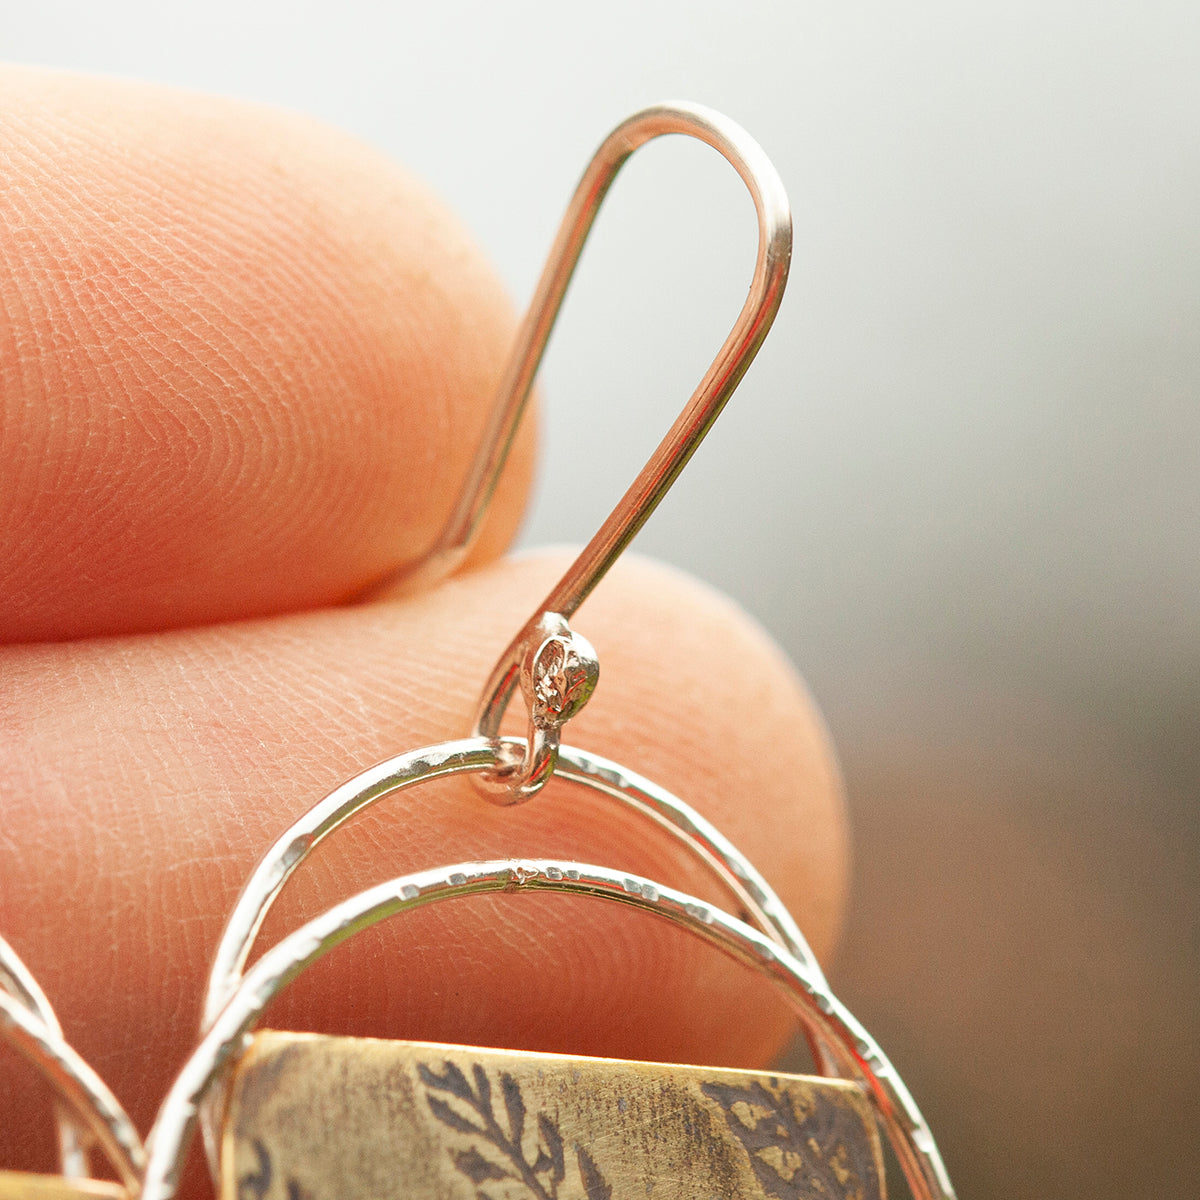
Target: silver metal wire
(857, 1054)
(78, 1087)
(747, 888)
(519, 781)
(737, 352)
(19, 983)
(731, 868)
(557, 671)
(73, 1136)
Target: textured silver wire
(858, 1055)
(749, 890)
(18, 982)
(731, 868)
(78, 1087)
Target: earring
(497, 1123)
(88, 1114)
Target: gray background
(960, 485)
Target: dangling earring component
(430, 1120)
(476, 1116)
(432, 1117)
(88, 1113)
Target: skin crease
(244, 362)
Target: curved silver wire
(78, 1087)
(858, 1055)
(766, 291)
(520, 781)
(730, 867)
(18, 982)
(746, 886)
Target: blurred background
(960, 484)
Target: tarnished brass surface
(22, 1185)
(318, 1118)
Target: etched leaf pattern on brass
(498, 1158)
(341, 1119)
(254, 1185)
(794, 1156)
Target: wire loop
(857, 1054)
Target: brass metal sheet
(23, 1185)
(318, 1118)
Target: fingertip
(243, 367)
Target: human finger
(244, 361)
(146, 775)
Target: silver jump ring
(857, 1053)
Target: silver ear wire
(513, 782)
(721, 379)
(88, 1112)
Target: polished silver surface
(702, 409)
(857, 1055)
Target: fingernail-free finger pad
(243, 360)
(143, 778)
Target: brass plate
(22, 1185)
(318, 1118)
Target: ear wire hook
(557, 668)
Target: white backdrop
(960, 484)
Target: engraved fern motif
(498, 1156)
(795, 1157)
(254, 1185)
